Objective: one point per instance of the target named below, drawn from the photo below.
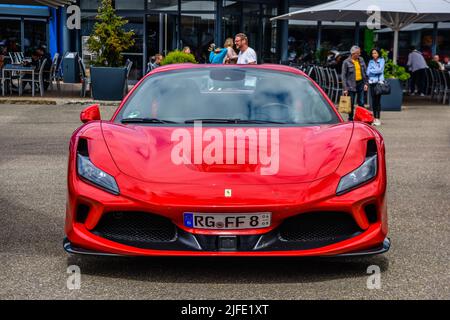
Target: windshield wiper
(234, 121)
(263, 121)
(146, 120)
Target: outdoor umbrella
(395, 14)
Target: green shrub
(392, 70)
(178, 56)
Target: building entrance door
(161, 34)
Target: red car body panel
(312, 161)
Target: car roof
(191, 66)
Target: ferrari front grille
(319, 227)
(137, 229)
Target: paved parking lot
(33, 155)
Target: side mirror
(90, 113)
(363, 115)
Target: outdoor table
(20, 69)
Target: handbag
(345, 104)
(382, 88)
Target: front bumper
(286, 201)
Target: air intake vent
(319, 227)
(82, 213)
(137, 229)
(371, 213)
(371, 148)
(82, 148)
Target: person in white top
(246, 54)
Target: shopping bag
(345, 105)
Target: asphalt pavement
(33, 159)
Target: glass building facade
(164, 25)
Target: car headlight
(364, 173)
(87, 170)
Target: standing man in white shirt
(246, 54)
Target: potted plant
(394, 75)
(107, 41)
(178, 56)
(322, 53)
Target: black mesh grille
(137, 229)
(327, 227)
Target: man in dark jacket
(354, 78)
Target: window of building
(89, 4)
(10, 35)
(162, 5)
(130, 4)
(198, 5)
(260, 31)
(197, 32)
(35, 34)
(231, 19)
(136, 53)
(87, 23)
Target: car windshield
(227, 96)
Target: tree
(109, 38)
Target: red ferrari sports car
(203, 160)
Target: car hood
(292, 154)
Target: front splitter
(68, 247)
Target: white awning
(395, 14)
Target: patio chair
(441, 87)
(317, 75)
(327, 81)
(429, 86)
(436, 84)
(59, 72)
(54, 72)
(446, 92)
(85, 80)
(12, 57)
(128, 66)
(19, 57)
(330, 79)
(310, 70)
(6, 82)
(336, 90)
(37, 80)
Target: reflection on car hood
(305, 154)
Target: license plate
(227, 221)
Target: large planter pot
(108, 83)
(393, 101)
